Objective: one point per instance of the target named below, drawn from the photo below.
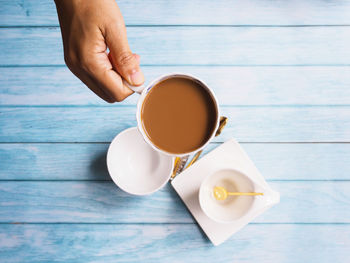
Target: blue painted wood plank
(254, 12)
(103, 202)
(52, 161)
(232, 85)
(278, 161)
(196, 45)
(172, 243)
(247, 124)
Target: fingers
(101, 70)
(96, 71)
(124, 61)
(93, 86)
(84, 28)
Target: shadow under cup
(179, 115)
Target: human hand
(88, 28)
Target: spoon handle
(232, 193)
(223, 121)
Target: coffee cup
(137, 160)
(211, 106)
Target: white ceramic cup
(144, 90)
(234, 207)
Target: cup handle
(271, 197)
(274, 198)
(137, 89)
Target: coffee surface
(178, 115)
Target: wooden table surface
(281, 72)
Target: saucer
(134, 166)
(227, 157)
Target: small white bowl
(136, 167)
(234, 207)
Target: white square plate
(187, 184)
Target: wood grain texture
(159, 12)
(247, 124)
(232, 85)
(172, 243)
(195, 45)
(281, 72)
(103, 202)
(88, 161)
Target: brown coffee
(179, 115)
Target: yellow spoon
(221, 193)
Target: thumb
(123, 60)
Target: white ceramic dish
(227, 156)
(135, 166)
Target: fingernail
(136, 77)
